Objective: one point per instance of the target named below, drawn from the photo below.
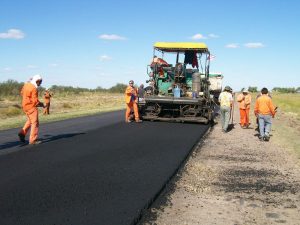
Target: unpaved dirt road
(232, 178)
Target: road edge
(163, 190)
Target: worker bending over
(244, 100)
(30, 102)
(264, 110)
(131, 96)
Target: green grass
(289, 103)
(287, 137)
(286, 124)
(287, 121)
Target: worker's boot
(266, 138)
(35, 142)
(21, 137)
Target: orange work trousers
(33, 123)
(244, 117)
(47, 109)
(132, 106)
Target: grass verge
(62, 107)
(286, 124)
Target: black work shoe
(21, 137)
(261, 138)
(266, 138)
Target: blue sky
(100, 43)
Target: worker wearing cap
(30, 102)
(47, 96)
(264, 110)
(226, 100)
(244, 100)
(131, 96)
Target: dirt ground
(232, 178)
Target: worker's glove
(40, 104)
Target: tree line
(277, 89)
(13, 88)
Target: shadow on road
(46, 138)
(50, 138)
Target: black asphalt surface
(105, 173)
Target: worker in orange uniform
(244, 100)
(47, 96)
(264, 110)
(131, 96)
(30, 102)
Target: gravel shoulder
(232, 178)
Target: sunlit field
(289, 103)
(287, 121)
(63, 106)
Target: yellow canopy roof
(180, 46)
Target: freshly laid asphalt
(90, 170)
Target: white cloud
(105, 58)
(12, 34)
(213, 36)
(53, 65)
(254, 45)
(7, 69)
(232, 45)
(111, 37)
(31, 67)
(198, 36)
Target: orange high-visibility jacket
(29, 95)
(47, 96)
(264, 106)
(244, 100)
(129, 95)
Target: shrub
(10, 111)
(10, 88)
(284, 90)
(118, 88)
(252, 89)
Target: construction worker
(264, 110)
(226, 100)
(47, 96)
(244, 100)
(141, 93)
(30, 102)
(158, 61)
(131, 96)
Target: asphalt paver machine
(180, 91)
